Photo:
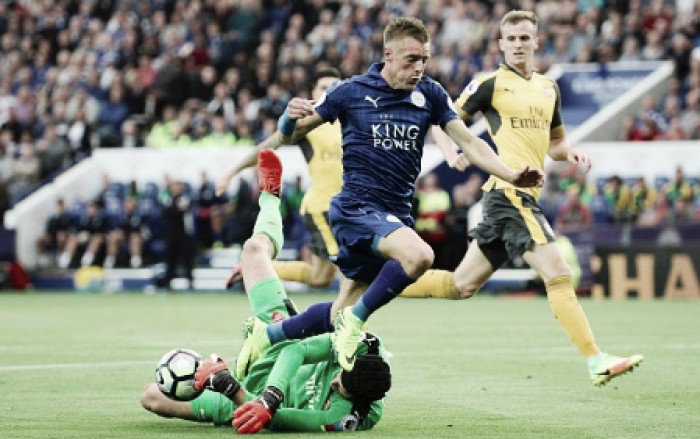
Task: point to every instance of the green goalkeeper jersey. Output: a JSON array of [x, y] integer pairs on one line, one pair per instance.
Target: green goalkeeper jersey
[[303, 370]]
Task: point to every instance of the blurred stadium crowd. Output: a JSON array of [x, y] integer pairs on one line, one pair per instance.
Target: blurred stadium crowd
[[79, 75]]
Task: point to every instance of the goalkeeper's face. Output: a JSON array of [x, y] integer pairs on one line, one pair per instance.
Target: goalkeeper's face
[[337, 385], [405, 62], [518, 43]]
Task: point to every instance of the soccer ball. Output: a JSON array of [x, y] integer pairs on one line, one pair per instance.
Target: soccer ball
[[175, 374]]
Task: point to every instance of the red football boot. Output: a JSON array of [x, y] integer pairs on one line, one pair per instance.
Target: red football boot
[[269, 172]]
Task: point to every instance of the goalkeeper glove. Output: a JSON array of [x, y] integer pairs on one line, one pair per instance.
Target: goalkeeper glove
[[252, 416], [214, 375]]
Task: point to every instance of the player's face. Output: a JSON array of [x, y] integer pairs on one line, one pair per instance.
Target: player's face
[[322, 85], [518, 43], [337, 385], [405, 59]]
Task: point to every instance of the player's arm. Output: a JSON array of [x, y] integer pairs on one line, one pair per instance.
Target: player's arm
[[454, 159], [299, 118], [559, 148], [330, 419], [253, 416], [480, 154]]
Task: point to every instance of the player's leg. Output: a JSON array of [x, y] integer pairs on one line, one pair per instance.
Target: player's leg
[[71, 245], [549, 263], [408, 257], [135, 249], [434, 283], [321, 271], [93, 246], [350, 291], [114, 239]]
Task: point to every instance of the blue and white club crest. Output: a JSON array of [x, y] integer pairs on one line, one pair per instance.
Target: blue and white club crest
[[418, 99]]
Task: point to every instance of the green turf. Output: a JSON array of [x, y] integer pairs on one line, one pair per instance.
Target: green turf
[[482, 368]]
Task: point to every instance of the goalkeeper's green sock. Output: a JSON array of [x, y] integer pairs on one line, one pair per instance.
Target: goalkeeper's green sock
[[269, 221]]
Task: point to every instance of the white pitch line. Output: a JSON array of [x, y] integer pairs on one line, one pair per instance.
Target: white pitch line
[[533, 350], [28, 367]]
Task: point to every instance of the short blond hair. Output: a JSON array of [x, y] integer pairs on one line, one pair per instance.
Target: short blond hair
[[400, 27], [516, 16]]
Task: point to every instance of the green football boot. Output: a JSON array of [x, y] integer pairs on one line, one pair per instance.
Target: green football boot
[[346, 335], [604, 367], [255, 343]]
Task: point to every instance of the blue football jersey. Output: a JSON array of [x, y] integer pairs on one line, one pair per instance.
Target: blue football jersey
[[383, 135]]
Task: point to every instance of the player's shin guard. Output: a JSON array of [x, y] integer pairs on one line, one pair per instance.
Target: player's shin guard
[[298, 271], [434, 283], [562, 299], [269, 220]]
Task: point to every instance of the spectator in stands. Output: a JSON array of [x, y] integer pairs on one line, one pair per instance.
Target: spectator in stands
[[682, 211], [464, 196], [242, 212], [679, 188], [573, 215], [210, 214], [57, 230], [130, 135], [433, 206], [617, 197], [179, 232], [690, 117], [53, 151], [129, 226], [89, 232], [219, 137], [642, 198], [656, 215], [112, 114], [26, 170]]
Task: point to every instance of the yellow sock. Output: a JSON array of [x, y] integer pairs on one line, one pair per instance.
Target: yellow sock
[[567, 310], [434, 283], [299, 271]]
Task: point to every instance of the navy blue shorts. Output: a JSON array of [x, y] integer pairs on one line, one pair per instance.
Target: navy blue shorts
[[357, 227]]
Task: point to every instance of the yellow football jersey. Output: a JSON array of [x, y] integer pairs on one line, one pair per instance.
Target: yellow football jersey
[[522, 115], [324, 152]]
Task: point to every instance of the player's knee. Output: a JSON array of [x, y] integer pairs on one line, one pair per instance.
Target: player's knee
[[557, 271], [419, 260], [256, 245]]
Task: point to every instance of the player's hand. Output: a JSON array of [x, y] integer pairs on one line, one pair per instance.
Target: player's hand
[[206, 371], [214, 375], [298, 108], [529, 177], [458, 162], [251, 417], [577, 157]]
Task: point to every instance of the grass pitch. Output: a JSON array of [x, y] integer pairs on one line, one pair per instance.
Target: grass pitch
[[74, 365]]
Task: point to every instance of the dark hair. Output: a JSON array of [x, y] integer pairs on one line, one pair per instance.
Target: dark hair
[[405, 27], [369, 379], [328, 72]]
